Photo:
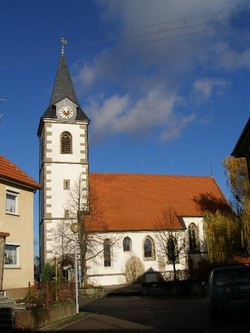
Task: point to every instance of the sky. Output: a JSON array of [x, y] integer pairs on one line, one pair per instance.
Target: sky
[[165, 83]]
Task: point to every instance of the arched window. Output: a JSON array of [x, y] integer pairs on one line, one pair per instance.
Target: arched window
[[148, 248], [193, 238], [107, 252], [126, 244], [66, 143], [172, 249]]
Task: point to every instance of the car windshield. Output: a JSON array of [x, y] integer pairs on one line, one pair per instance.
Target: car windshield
[[232, 276]]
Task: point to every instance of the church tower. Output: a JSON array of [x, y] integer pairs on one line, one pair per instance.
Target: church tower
[[63, 160]]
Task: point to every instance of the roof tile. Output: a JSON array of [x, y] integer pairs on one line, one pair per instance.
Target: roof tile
[[10, 171], [136, 201]]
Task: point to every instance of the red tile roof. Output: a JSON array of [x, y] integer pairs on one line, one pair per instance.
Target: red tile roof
[[135, 201], [11, 172]]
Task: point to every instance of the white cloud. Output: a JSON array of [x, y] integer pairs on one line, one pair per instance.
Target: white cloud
[[132, 13], [118, 114], [206, 87], [176, 126], [146, 87], [233, 60], [86, 75]]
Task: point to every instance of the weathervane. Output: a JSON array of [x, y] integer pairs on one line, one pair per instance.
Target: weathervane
[[64, 42]]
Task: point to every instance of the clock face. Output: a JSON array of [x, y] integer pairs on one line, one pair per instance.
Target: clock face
[[66, 112]]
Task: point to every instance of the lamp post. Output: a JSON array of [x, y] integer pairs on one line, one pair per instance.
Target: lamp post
[[75, 228]]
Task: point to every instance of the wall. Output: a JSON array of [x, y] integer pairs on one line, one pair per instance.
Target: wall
[[40, 317], [20, 228], [59, 167], [115, 274]]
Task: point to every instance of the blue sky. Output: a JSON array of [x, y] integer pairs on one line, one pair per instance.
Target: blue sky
[[165, 83]]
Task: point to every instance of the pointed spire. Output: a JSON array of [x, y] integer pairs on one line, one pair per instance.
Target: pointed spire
[[63, 86]]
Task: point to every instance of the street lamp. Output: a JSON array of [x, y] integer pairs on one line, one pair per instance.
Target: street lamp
[[75, 228]]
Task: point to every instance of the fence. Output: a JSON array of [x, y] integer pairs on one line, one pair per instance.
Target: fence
[[181, 275], [40, 295]]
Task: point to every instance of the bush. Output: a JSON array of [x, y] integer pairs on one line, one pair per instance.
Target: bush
[[50, 290]]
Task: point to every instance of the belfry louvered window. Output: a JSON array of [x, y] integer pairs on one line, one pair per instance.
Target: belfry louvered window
[[66, 143]]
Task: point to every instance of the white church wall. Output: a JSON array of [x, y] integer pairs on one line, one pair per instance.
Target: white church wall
[[78, 140], [115, 274], [61, 172], [198, 222], [57, 179]]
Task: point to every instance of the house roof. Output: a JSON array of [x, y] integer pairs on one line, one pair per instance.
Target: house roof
[[241, 148], [136, 201], [9, 171]]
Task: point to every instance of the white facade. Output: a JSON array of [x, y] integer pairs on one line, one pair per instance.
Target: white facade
[[153, 268], [58, 174]]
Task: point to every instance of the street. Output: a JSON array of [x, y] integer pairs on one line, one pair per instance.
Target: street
[[139, 313]]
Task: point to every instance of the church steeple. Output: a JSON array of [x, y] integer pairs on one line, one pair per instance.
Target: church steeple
[[63, 88], [63, 159]]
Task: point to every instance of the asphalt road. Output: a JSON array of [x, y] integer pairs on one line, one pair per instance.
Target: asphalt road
[[138, 313]]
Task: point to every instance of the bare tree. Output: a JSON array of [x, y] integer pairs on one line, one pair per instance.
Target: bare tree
[[63, 245], [85, 210], [134, 269], [171, 242]]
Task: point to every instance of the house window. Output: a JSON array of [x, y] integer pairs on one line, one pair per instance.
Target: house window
[[66, 143], [148, 248], [11, 202], [66, 184], [193, 238], [107, 252], [126, 244], [11, 255]]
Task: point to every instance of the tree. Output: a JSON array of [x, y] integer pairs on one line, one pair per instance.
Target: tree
[[48, 273], [238, 180], [223, 237], [171, 242], [134, 269], [87, 212], [37, 268]]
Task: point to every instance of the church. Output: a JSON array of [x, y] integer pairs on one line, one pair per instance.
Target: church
[[136, 226]]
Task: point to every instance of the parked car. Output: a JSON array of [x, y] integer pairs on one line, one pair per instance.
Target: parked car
[[228, 290]]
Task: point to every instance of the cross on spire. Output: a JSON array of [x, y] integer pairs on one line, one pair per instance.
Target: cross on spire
[[64, 42]]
